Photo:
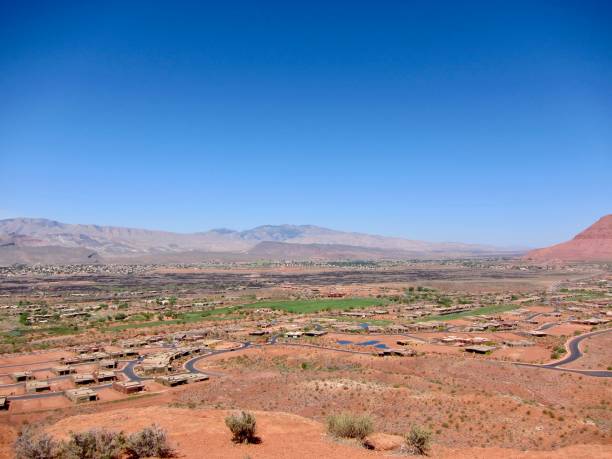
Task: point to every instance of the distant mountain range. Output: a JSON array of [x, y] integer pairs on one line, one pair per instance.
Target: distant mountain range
[[592, 244], [36, 240]]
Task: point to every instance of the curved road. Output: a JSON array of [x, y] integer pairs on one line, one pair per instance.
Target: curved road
[[573, 346], [190, 365]]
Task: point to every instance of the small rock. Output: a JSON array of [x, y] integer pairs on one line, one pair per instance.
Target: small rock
[[383, 442]]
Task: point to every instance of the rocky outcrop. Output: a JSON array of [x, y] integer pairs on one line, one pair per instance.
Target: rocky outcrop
[[592, 244]]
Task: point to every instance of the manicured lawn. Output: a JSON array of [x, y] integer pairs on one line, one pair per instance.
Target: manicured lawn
[[186, 317], [475, 312], [128, 326], [200, 315], [310, 306]]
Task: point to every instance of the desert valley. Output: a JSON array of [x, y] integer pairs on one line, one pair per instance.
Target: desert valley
[[284, 230], [487, 355]]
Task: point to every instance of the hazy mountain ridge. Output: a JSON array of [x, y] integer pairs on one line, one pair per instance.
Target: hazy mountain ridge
[[109, 242]]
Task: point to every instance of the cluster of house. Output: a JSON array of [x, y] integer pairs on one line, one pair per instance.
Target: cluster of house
[[593, 320], [162, 361], [481, 349], [298, 333], [420, 310], [363, 314], [81, 395], [104, 373], [480, 344], [105, 359], [180, 379], [492, 324], [22, 269], [38, 314], [33, 385], [462, 340], [397, 352]]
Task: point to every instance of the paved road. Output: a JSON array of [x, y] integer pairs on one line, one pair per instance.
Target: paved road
[[190, 365], [548, 325], [574, 348], [128, 370], [595, 373], [573, 345], [533, 316]]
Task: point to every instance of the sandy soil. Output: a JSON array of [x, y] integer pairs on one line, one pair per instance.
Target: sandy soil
[[282, 435], [568, 329], [32, 405], [476, 406], [531, 354], [8, 362], [467, 402], [541, 309]]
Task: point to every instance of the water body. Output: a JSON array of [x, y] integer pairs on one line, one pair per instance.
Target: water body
[[368, 343], [373, 342]]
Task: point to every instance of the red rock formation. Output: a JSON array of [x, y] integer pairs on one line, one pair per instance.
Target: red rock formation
[[592, 244]]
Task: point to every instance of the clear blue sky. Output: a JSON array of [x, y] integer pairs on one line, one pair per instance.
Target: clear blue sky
[[466, 121]]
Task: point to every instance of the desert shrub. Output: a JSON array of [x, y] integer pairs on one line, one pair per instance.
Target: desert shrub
[[149, 442], [347, 425], [242, 426], [31, 444], [419, 440], [94, 444]]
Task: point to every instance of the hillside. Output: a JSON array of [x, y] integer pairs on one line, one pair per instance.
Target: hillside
[[592, 244], [27, 240], [283, 435]]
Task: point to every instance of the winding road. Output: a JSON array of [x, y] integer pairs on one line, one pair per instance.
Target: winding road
[[573, 347], [190, 365], [574, 353]]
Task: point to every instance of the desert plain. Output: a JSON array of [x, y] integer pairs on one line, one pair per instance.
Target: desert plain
[[493, 357]]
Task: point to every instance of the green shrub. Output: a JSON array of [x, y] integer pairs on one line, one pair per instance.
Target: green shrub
[[560, 349], [149, 442], [31, 444], [419, 440], [94, 444], [347, 425], [242, 426]]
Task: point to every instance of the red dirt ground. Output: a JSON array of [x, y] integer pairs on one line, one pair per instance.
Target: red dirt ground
[[283, 435]]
